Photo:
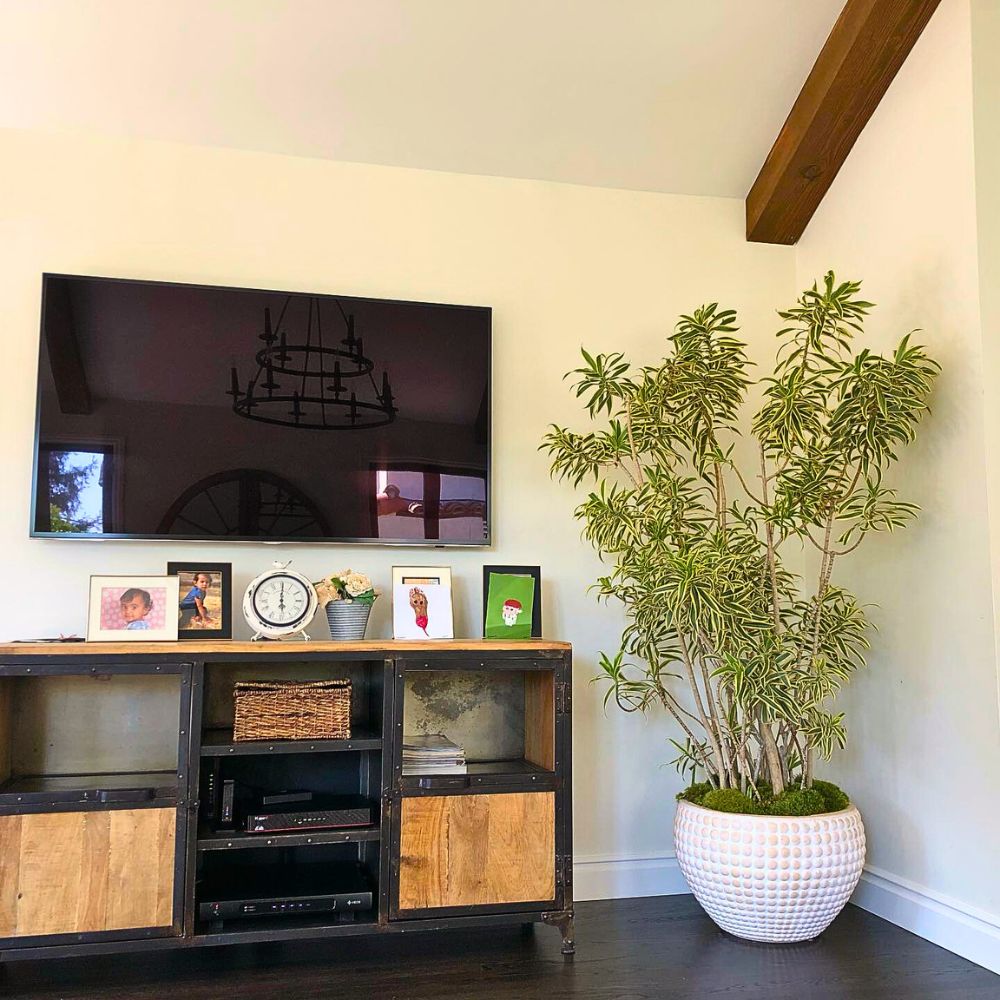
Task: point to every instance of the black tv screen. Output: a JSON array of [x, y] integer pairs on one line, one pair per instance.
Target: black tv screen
[[195, 412]]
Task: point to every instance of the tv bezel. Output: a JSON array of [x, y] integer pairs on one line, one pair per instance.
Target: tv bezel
[[260, 539]]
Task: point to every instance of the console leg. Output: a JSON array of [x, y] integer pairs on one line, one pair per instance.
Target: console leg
[[569, 936], [563, 920]]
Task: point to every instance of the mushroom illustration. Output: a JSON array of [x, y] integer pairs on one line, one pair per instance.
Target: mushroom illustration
[[511, 609]]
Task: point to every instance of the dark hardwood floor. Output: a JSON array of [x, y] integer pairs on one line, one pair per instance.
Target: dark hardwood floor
[[662, 948]]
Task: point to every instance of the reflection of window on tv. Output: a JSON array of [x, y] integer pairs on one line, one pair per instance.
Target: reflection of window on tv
[[74, 488], [428, 502]]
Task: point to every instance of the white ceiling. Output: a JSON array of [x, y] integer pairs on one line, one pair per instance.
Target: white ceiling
[[682, 96]]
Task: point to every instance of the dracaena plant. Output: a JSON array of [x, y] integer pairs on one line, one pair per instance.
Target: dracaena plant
[[741, 649]]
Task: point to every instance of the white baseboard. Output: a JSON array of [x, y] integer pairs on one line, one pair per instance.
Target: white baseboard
[[966, 930], [599, 876]]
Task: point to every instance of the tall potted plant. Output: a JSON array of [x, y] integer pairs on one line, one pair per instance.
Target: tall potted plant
[[722, 549]]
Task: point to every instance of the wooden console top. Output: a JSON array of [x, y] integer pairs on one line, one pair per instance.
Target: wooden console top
[[234, 648]]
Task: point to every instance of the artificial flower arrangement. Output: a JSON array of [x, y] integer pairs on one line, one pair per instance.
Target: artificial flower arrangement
[[355, 588]]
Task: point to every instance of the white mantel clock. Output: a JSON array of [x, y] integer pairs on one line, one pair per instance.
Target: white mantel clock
[[279, 604]]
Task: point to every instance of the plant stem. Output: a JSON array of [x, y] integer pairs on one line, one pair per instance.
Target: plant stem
[[699, 704], [772, 758], [743, 483], [769, 538], [716, 718], [721, 502], [640, 477]]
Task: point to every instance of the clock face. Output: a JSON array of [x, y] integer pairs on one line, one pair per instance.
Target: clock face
[[281, 600]]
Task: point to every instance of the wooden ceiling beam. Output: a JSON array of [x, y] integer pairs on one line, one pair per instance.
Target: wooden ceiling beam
[[866, 47]]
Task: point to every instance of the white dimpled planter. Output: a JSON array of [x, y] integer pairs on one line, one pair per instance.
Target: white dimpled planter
[[770, 878]]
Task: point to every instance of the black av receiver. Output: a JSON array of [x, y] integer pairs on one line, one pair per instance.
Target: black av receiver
[[245, 891]]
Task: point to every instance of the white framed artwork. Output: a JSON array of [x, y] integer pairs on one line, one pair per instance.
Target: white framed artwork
[[422, 611]]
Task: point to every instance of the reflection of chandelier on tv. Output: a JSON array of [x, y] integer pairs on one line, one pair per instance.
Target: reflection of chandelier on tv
[[310, 384]]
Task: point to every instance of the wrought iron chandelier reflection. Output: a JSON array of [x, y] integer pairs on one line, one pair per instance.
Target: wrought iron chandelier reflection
[[311, 384]]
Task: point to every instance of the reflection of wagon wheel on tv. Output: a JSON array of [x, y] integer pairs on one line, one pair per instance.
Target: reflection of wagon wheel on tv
[[244, 502]]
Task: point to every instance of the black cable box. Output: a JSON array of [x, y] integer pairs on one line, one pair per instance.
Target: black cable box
[[243, 891], [321, 813]]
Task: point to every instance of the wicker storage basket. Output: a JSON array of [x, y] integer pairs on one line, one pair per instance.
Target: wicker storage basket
[[292, 710]]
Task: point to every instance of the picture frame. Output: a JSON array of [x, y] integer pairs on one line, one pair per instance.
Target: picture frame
[[422, 611], [133, 608], [416, 575], [217, 602], [535, 572]]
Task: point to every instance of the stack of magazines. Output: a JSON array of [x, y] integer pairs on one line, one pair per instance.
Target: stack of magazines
[[434, 754]]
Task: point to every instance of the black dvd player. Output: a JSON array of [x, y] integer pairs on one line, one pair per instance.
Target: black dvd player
[[243, 891], [319, 813]]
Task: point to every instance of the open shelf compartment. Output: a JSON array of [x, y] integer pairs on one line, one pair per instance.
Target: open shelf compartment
[[218, 710], [503, 718], [91, 738]]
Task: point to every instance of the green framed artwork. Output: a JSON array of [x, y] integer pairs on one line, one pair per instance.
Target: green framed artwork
[[512, 602]]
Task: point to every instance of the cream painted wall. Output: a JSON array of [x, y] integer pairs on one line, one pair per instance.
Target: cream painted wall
[[925, 742], [986, 102], [560, 265]]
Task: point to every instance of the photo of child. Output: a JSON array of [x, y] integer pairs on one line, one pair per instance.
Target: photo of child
[[204, 599], [133, 609], [136, 605], [201, 595]]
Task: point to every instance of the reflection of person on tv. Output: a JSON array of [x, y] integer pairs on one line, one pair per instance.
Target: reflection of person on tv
[[193, 603], [136, 604]]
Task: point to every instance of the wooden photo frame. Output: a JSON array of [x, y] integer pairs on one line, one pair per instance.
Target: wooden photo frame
[[215, 601], [536, 605], [133, 609]]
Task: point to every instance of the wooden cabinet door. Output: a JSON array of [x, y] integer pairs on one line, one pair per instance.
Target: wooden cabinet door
[[476, 850], [80, 872]]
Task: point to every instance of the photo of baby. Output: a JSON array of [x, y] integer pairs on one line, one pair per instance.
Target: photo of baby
[[132, 607], [136, 606]]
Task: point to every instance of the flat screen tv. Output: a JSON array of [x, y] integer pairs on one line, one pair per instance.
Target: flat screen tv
[[170, 411]]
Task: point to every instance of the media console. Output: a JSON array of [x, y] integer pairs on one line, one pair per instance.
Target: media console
[[108, 750]]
